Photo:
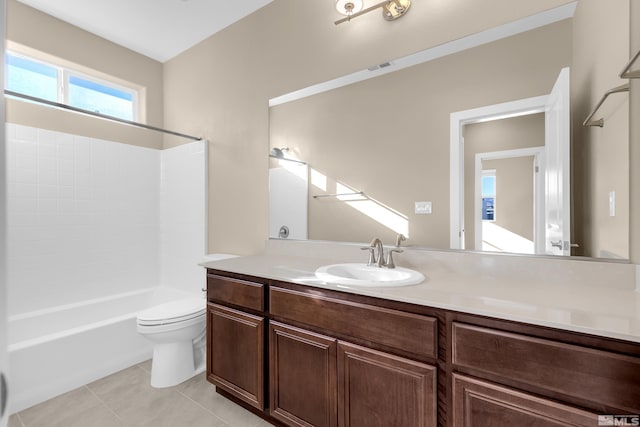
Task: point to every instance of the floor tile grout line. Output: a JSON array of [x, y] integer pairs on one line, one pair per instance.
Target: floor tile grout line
[[87, 387], [202, 406], [103, 403], [226, 422], [121, 419]]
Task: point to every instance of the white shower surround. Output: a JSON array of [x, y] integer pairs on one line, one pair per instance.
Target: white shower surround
[[97, 230]]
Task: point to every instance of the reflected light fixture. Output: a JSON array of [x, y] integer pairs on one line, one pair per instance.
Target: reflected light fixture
[[395, 9], [278, 153], [391, 9], [349, 7]]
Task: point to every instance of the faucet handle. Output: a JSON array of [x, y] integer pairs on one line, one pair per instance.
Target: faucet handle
[[390, 263], [399, 239], [372, 256]]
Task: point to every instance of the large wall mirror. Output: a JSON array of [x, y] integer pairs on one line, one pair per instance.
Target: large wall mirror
[[375, 158]]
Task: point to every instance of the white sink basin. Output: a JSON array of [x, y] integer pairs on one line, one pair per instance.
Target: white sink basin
[[354, 274]]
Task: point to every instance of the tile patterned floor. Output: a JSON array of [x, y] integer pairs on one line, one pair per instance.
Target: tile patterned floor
[[126, 399]]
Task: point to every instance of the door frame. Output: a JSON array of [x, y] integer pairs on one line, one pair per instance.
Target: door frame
[[458, 119], [538, 191], [4, 354]]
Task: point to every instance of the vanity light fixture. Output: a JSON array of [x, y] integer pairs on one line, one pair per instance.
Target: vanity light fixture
[[391, 9]]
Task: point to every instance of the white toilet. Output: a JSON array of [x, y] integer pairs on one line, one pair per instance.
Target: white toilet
[[177, 329]]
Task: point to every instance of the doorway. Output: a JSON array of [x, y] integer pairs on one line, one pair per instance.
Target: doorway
[[557, 212], [508, 201]]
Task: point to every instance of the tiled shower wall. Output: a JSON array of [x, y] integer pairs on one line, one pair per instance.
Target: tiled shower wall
[[82, 218]]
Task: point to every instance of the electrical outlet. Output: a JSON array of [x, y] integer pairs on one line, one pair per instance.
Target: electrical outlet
[[423, 208]]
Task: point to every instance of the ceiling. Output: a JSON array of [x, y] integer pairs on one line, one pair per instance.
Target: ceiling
[[159, 29]]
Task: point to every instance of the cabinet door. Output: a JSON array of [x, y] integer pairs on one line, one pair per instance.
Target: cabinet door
[[377, 389], [235, 353], [302, 371], [481, 404]]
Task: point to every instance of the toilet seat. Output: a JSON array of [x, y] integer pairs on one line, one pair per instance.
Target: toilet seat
[[172, 312]]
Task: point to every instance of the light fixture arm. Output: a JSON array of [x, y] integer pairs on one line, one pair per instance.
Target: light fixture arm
[[383, 4]]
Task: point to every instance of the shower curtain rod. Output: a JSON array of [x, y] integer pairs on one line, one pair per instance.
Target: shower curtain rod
[[102, 116]]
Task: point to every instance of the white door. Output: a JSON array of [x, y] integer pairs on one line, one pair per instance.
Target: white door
[[557, 191], [4, 356]]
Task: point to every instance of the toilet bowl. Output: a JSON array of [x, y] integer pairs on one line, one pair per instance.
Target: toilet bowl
[[176, 329]]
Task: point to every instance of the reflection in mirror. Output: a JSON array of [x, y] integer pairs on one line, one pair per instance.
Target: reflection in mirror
[[502, 170], [551, 207], [288, 189], [378, 150]]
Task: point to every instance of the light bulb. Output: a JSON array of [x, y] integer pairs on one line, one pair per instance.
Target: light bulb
[[349, 7]]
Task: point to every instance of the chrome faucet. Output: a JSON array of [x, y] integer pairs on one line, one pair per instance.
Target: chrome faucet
[[379, 259], [389, 262], [376, 253], [375, 259]]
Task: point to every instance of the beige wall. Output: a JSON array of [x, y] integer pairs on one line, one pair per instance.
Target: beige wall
[[36, 30], [220, 88], [600, 155], [516, 208]]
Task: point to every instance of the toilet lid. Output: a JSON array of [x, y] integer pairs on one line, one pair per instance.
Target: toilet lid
[[173, 311]]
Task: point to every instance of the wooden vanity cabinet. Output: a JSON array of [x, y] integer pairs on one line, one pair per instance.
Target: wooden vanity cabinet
[[235, 357], [480, 403], [506, 373], [381, 389], [236, 327], [302, 377], [323, 379], [304, 356], [317, 380]]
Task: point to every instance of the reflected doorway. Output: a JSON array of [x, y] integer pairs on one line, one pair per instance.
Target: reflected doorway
[[557, 213], [508, 200]]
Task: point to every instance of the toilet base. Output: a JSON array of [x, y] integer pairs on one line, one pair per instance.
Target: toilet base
[[173, 363]]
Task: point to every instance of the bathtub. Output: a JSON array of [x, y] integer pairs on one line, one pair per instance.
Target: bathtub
[[58, 349]]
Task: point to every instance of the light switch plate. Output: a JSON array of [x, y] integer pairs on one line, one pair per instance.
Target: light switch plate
[[423, 208], [612, 203]]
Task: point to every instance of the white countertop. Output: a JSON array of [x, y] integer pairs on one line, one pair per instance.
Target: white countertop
[[607, 310]]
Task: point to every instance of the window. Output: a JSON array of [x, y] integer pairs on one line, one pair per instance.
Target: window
[[489, 195], [31, 78], [101, 98], [35, 78]]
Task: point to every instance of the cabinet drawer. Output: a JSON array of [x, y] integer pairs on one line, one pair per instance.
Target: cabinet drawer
[[407, 332], [237, 292], [597, 376]]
